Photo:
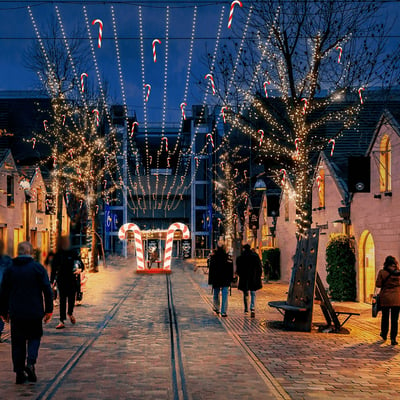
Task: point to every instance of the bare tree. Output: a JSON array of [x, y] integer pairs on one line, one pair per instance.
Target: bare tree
[[303, 65]]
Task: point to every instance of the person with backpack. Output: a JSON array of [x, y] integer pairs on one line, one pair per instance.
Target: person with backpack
[[220, 276], [388, 281], [249, 270]]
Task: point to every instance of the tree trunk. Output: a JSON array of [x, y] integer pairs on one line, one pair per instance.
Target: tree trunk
[[303, 187], [93, 267]]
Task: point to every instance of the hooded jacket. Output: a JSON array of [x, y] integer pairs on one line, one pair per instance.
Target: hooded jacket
[[25, 285]]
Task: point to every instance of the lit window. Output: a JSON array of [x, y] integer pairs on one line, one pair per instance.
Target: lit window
[[385, 165], [287, 216], [321, 188], [10, 191]]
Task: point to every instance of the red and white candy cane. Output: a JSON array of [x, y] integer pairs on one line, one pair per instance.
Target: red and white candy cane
[[197, 161], [96, 111], [236, 173], [83, 75], [222, 204], [360, 95], [182, 180], [265, 88], [154, 48], [133, 127], [45, 125], [305, 104], [33, 143], [165, 139], [340, 53], [54, 161], [261, 137], [333, 141], [151, 160], [64, 118], [100, 22], [296, 143], [138, 242], [223, 109], [283, 172], [222, 164], [209, 76], [245, 174], [97, 209], [319, 178], [168, 162], [170, 240], [148, 86], [105, 184], [219, 221], [209, 136], [235, 2], [183, 105]]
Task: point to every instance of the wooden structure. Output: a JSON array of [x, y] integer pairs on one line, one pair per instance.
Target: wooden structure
[[305, 286]]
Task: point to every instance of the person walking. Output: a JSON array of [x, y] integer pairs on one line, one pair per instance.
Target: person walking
[[388, 281], [66, 266], [249, 270], [220, 276], [25, 285], [5, 262]]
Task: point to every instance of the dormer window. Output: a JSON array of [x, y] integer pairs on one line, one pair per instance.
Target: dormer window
[[385, 165]]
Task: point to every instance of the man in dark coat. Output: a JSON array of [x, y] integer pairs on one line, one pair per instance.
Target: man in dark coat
[[249, 270], [25, 285], [65, 268], [5, 262], [220, 276]]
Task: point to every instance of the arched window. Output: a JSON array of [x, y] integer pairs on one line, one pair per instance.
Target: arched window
[[385, 165], [321, 188]]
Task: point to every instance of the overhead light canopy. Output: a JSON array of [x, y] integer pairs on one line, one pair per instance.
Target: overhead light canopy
[[260, 185]]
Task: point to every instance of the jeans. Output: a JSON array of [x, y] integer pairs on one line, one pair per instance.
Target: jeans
[[224, 307], [394, 317], [1, 326], [252, 300], [66, 294]]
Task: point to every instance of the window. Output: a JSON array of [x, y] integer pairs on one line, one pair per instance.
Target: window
[[40, 200], [321, 188], [385, 165], [10, 191]]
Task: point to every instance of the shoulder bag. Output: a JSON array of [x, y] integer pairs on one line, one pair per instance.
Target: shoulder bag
[[376, 300]]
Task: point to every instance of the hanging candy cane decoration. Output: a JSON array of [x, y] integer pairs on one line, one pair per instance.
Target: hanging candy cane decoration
[[235, 2], [33, 143], [283, 172], [245, 174], [100, 22], [262, 136], [296, 143], [209, 136], [54, 161], [223, 109], [83, 75], [170, 240], [154, 48], [138, 242], [105, 184], [168, 162], [222, 164], [133, 127], [80, 203], [151, 160], [209, 76], [333, 141], [360, 95], [166, 143], [183, 105], [64, 118], [97, 209], [196, 159], [319, 178], [340, 53], [219, 221], [236, 173], [305, 104], [265, 88], [45, 125], [71, 153], [182, 180], [148, 86], [96, 111], [222, 204]]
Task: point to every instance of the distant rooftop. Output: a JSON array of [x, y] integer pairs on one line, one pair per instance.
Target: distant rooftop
[[23, 94]]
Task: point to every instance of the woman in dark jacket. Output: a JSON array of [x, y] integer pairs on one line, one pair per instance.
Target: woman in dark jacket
[[249, 270], [389, 282], [220, 276]]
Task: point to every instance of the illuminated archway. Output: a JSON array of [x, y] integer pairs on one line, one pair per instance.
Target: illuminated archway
[[366, 269], [178, 226], [138, 242]]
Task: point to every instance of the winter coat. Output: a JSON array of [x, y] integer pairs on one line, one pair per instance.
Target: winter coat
[[62, 269], [390, 289], [25, 285], [249, 270], [5, 262], [220, 273]]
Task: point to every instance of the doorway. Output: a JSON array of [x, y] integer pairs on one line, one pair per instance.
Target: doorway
[[367, 271]]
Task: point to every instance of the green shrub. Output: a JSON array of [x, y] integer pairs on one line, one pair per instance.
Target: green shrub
[[341, 261], [273, 256]]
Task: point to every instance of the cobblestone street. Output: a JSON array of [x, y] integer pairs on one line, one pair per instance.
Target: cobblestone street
[[155, 337]]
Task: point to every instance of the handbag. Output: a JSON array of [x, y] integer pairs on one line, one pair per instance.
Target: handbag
[[376, 299]]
